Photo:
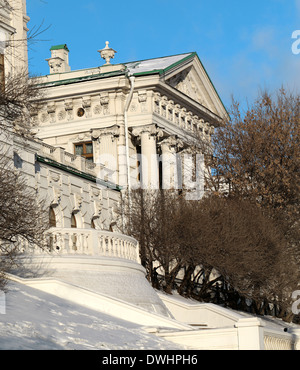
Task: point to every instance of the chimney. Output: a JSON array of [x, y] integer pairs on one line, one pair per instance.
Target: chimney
[[59, 61]]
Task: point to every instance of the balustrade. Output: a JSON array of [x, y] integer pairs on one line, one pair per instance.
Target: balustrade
[[180, 116], [70, 241]]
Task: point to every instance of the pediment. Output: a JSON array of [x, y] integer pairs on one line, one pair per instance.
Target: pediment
[[193, 81]]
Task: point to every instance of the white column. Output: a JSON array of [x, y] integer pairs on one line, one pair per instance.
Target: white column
[[149, 157], [107, 153], [170, 164]]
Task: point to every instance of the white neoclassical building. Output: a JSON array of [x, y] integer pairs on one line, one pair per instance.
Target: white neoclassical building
[[101, 131], [137, 118]]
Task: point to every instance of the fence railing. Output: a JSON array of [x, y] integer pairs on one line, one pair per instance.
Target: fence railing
[[73, 241]]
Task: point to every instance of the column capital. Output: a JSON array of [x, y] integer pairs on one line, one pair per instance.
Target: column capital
[[113, 131], [171, 143], [151, 130]]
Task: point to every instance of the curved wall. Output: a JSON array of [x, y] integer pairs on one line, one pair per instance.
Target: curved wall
[[116, 277]]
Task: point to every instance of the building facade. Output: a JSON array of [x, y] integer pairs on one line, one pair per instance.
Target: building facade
[[102, 131], [137, 118], [13, 36]]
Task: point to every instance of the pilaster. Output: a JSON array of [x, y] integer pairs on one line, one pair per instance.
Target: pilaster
[[106, 152]]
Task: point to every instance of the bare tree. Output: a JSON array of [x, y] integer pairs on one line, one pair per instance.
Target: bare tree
[[150, 218], [217, 242], [257, 154], [23, 218], [19, 97], [245, 246]]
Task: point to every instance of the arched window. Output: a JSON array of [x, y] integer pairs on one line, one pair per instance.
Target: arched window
[[52, 218], [73, 221], [74, 236]]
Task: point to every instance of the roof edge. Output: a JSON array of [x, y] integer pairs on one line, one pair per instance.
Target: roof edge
[[59, 47]]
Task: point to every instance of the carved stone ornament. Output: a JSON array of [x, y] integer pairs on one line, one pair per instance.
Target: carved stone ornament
[[97, 209], [77, 202], [152, 130], [114, 131], [104, 99], [69, 108], [96, 193], [61, 115], [55, 64], [68, 104], [56, 196], [86, 102], [142, 96], [44, 117], [51, 108], [107, 53], [54, 176], [95, 133], [172, 143]]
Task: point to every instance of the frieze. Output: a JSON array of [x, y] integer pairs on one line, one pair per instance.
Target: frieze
[[73, 109], [104, 101]]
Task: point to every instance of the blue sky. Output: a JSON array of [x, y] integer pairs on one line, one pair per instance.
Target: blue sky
[[244, 45]]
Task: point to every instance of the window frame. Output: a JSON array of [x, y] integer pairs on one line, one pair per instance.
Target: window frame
[[85, 154]]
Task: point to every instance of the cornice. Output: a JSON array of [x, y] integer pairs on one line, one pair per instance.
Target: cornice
[[11, 30]]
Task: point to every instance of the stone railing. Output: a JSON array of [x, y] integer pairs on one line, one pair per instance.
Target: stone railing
[[273, 340], [71, 160], [179, 116], [72, 241]]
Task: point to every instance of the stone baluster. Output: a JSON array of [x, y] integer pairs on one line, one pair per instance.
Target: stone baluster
[[58, 244], [112, 246], [157, 99], [70, 244], [87, 238], [64, 243]]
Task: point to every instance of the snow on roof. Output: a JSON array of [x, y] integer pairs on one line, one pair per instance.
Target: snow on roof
[[156, 64], [35, 320]]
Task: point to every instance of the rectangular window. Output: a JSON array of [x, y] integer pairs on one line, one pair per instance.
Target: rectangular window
[[85, 150]]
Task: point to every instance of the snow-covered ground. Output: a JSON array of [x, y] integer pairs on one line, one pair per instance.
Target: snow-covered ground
[[35, 320]]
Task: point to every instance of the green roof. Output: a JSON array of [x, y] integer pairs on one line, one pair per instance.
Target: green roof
[[59, 47], [78, 173], [157, 65]]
